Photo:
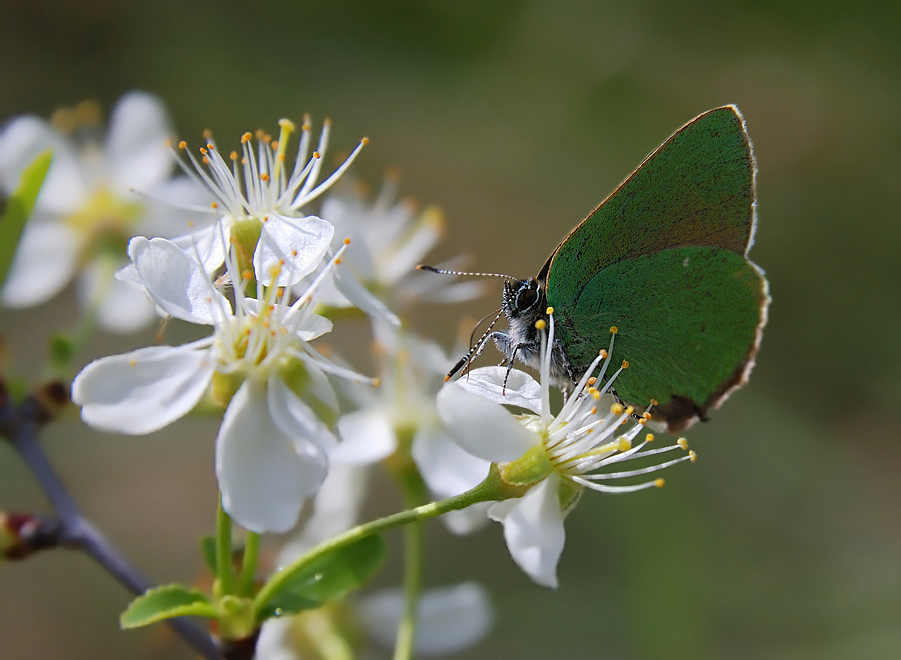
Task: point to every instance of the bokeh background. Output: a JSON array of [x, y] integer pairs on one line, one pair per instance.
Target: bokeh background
[[517, 117]]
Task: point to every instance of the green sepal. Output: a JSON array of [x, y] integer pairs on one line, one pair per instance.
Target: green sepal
[[529, 469], [208, 550], [18, 209], [327, 578], [166, 602]]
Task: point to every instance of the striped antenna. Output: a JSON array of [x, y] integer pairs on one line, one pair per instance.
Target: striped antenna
[[441, 271], [475, 350]]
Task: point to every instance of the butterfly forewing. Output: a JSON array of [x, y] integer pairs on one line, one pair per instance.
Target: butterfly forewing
[[663, 259]]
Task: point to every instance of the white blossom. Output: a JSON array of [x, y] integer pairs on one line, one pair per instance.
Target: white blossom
[[272, 447], [88, 208], [555, 456]]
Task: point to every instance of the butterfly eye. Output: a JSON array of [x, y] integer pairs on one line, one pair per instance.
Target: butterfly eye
[[526, 298]]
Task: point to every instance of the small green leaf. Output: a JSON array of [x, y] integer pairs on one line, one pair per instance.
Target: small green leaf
[[18, 209], [208, 549], [328, 578], [166, 602]]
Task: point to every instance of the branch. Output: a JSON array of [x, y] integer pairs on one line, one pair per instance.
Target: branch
[[20, 425]]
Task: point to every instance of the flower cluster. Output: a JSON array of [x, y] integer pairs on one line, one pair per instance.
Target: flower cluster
[[240, 252]]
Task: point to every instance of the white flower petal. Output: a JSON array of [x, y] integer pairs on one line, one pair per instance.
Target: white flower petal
[[263, 478], [468, 520], [533, 528], [142, 391], [483, 428], [488, 382], [296, 419], [335, 510], [64, 189], [366, 437], [124, 306], [43, 265], [449, 620], [276, 641], [175, 207], [293, 247], [361, 298], [136, 149], [176, 282], [446, 468], [206, 246], [424, 235]]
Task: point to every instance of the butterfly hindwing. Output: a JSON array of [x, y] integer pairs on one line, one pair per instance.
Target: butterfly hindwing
[[663, 259]]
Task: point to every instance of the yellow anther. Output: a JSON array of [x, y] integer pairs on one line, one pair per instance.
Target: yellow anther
[[211, 146], [376, 381], [207, 134], [214, 205], [659, 483], [649, 437], [347, 241], [594, 410], [603, 353], [642, 421], [614, 329], [364, 141], [182, 145], [316, 155], [281, 158], [596, 395], [646, 415], [233, 155], [274, 145], [624, 444], [617, 408], [625, 364], [630, 410], [327, 122], [206, 160], [654, 402], [682, 442], [167, 142], [305, 127], [63, 119], [549, 310], [540, 324], [337, 260], [132, 362], [264, 177], [247, 274], [88, 113], [592, 380], [247, 137], [692, 456], [203, 151]]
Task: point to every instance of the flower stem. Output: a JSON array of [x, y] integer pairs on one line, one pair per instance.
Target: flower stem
[[490, 489], [249, 567], [414, 494], [225, 571]]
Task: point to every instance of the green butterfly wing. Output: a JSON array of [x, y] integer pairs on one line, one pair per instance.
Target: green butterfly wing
[[664, 259]]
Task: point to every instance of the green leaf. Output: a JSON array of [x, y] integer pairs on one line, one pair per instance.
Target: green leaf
[[166, 602], [327, 578], [18, 209], [208, 549]]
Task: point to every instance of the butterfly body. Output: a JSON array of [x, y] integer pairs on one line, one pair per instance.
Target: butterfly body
[[663, 258]]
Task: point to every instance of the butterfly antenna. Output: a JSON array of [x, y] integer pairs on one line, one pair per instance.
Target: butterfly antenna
[[474, 351], [442, 271]]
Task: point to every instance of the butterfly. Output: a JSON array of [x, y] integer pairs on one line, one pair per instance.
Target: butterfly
[[663, 260]]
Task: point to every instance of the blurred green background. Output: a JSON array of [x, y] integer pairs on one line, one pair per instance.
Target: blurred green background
[[517, 118]]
